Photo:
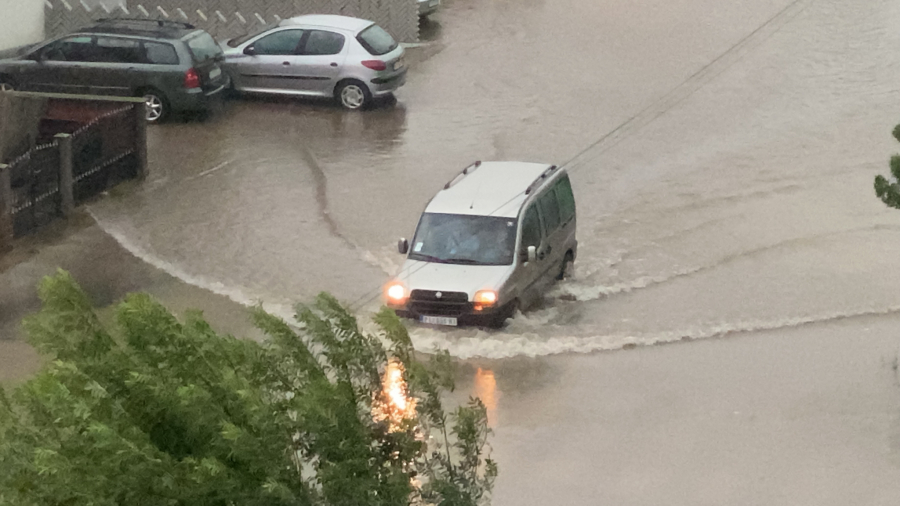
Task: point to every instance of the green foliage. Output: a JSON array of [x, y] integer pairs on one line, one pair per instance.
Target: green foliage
[[889, 192], [155, 411]]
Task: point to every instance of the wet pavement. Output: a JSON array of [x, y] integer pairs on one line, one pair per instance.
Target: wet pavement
[[722, 158]]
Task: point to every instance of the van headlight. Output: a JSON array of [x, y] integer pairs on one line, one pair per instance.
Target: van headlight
[[485, 298], [396, 293]]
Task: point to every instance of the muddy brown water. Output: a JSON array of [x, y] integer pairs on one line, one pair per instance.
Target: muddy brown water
[[730, 190], [722, 156]]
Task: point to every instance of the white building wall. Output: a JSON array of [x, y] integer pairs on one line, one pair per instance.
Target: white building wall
[[21, 22]]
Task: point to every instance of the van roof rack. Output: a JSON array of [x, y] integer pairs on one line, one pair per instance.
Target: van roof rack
[[140, 21], [464, 173], [539, 180]]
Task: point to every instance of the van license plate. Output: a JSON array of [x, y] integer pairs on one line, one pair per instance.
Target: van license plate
[[438, 320]]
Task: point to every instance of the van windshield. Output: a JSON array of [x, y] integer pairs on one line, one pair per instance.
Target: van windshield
[[464, 239]]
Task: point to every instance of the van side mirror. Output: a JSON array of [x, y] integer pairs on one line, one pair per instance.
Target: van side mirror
[[532, 254], [403, 246], [250, 51]]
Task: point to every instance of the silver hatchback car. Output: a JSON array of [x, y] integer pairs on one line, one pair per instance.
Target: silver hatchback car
[[350, 59]]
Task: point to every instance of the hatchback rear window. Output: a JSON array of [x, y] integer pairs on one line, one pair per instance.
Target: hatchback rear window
[[204, 47], [376, 40]]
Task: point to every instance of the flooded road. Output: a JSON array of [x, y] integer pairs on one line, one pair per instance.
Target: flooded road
[[722, 158]]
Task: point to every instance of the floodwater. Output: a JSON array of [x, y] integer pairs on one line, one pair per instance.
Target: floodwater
[[722, 155], [730, 190]]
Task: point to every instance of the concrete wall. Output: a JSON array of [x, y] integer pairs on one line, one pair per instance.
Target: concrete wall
[[21, 22], [20, 118]]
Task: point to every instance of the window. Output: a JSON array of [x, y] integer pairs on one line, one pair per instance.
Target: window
[[566, 199], [376, 40], [116, 50], [550, 210], [321, 42], [203, 47], [464, 239], [160, 54], [237, 41], [531, 229], [284, 42], [72, 49]]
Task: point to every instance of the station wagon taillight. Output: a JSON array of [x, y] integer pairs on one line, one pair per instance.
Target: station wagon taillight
[[191, 79], [374, 64]]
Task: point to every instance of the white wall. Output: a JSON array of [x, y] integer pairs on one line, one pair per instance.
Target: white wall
[[21, 22]]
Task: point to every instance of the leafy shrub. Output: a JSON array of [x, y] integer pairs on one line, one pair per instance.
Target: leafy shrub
[[150, 410]]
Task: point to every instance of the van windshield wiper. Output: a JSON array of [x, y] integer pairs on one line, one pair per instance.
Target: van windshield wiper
[[466, 261], [430, 258]]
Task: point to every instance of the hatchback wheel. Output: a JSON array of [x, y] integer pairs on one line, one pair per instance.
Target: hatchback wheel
[[157, 106], [353, 95]]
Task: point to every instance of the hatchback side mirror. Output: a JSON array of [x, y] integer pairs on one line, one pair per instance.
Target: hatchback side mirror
[[403, 246], [250, 51], [532, 254]]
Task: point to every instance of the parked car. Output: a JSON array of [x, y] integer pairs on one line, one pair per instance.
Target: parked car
[[492, 241], [350, 59], [174, 66], [427, 7]]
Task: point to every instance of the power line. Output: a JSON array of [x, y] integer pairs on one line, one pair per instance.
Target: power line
[[653, 111]]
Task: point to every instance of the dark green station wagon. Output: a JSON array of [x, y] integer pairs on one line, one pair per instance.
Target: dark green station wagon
[[174, 66]]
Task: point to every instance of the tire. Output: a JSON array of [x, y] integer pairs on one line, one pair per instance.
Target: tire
[[567, 267], [498, 320], [7, 84], [157, 105], [353, 95]]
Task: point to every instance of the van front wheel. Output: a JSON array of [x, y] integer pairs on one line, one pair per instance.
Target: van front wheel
[[496, 321], [567, 269]]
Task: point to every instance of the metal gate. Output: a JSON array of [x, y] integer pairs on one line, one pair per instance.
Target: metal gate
[[35, 188]]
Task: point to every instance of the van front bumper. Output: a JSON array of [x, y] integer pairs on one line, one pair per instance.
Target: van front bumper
[[465, 312]]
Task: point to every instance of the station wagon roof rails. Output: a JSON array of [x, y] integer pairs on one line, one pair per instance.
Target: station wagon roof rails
[[464, 173], [540, 179], [144, 22]]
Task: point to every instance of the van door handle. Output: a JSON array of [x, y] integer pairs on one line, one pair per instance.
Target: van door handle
[[334, 64], [287, 63]]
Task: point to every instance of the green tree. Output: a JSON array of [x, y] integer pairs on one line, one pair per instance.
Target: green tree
[[150, 410], [888, 192]]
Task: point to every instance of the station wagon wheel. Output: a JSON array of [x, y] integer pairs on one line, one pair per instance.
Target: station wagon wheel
[[157, 106], [353, 94]]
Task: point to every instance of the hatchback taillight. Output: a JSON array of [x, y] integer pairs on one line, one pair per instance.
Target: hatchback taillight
[[191, 79], [374, 64]]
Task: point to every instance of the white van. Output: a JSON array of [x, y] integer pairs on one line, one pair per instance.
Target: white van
[[490, 242]]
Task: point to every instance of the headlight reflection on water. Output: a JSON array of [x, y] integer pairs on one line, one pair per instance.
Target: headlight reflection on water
[[396, 405], [486, 390]]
